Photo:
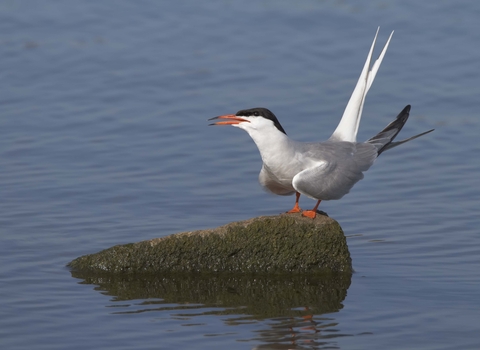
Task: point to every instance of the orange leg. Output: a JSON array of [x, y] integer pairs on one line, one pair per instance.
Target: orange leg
[[312, 213], [296, 207]]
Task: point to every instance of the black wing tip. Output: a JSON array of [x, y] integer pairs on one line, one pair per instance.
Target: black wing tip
[[405, 110]]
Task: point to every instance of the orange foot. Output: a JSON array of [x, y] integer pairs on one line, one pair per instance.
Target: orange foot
[[310, 214], [295, 209]]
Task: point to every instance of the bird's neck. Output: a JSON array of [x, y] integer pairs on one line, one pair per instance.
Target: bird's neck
[[274, 146]]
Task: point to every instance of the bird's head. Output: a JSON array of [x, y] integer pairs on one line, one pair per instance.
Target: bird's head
[[251, 120]]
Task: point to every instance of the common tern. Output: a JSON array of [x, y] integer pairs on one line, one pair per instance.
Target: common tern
[[319, 170]]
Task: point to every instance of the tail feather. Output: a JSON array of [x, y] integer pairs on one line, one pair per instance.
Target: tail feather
[[395, 144], [384, 139]]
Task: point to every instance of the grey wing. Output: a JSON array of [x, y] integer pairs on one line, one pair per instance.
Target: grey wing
[[334, 178], [323, 182]]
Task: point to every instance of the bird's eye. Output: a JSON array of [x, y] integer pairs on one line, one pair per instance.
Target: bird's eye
[[256, 114]]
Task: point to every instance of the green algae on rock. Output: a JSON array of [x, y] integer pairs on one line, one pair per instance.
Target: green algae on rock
[[268, 244]]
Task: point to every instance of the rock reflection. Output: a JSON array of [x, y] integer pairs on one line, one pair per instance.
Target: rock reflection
[[291, 307]]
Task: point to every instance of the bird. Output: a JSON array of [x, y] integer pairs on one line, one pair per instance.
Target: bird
[[324, 170]]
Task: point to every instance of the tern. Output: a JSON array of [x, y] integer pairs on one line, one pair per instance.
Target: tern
[[320, 170]]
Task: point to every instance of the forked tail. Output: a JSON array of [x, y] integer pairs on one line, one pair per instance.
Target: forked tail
[[348, 127], [384, 139]]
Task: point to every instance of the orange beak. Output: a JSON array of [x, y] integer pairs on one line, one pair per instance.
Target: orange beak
[[232, 119]]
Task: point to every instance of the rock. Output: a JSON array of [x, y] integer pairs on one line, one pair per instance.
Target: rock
[[268, 244]]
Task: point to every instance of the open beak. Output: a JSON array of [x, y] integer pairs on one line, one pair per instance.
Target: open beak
[[231, 119]]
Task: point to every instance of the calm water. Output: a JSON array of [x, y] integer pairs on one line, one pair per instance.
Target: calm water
[[104, 140]]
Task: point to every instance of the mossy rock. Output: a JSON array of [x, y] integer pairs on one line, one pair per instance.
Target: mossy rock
[[269, 244]]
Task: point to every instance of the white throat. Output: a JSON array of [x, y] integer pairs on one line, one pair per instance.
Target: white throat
[[275, 147]]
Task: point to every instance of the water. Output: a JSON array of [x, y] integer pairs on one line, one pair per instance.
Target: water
[[103, 109]]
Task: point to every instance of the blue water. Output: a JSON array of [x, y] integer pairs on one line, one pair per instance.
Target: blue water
[[104, 141]]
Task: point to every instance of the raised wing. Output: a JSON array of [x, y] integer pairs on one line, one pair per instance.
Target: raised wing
[[348, 127]]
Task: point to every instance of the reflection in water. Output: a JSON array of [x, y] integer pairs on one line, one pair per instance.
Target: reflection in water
[[291, 307]]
